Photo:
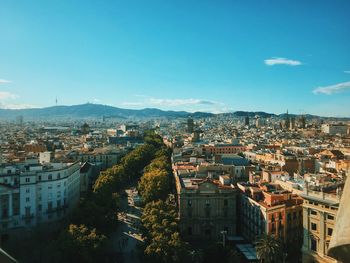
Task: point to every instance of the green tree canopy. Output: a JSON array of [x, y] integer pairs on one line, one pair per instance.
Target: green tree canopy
[[269, 249], [81, 244], [154, 185], [161, 231]]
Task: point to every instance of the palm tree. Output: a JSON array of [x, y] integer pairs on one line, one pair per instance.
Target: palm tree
[[269, 249]]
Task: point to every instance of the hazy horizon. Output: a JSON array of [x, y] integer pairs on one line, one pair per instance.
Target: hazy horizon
[[178, 110]]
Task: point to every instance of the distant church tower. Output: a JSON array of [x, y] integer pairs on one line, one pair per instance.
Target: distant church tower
[[287, 121], [190, 125]]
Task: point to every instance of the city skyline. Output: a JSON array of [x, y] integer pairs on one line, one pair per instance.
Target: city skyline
[[178, 56]]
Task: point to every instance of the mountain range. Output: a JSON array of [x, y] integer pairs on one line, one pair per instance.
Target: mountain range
[[90, 110]]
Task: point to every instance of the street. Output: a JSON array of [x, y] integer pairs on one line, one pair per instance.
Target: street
[[127, 236]]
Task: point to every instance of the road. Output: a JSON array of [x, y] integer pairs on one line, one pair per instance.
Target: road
[[127, 236]]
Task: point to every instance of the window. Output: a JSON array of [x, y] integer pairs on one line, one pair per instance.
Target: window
[[58, 176], [27, 199], [330, 217], [4, 213], [27, 190], [313, 244], [329, 231], [313, 212], [313, 226], [207, 212], [39, 207], [225, 202], [49, 177], [189, 213], [58, 203], [27, 211], [273, 228], [189, 202], [225, 213], [49, 206], [189, 231], [39, 178], [27, 180], [50, 186]]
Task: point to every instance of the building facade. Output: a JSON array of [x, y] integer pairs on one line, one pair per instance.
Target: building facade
[[319, 216], [270, 210], [333, 129], [34, 194], [223, 149], [207, 207]]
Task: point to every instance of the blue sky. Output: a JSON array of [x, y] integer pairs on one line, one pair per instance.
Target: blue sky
[[182, 55]]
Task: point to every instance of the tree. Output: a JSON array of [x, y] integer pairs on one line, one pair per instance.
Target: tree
[[154, 185], [81, 244], [269, 249], [161, 162], [136, 160], [167, 248], [153, 139], [163, 242]]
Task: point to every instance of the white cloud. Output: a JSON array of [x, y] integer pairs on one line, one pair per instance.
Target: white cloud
[[179, 102], [347, 71], [4, 81], [7, 95], [337, 88], [190, 104], [157, 102], [282, 61], [16, 106], [132, 103]]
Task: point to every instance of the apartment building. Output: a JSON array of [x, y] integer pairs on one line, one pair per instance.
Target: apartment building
[[319, 217], [33, 193], [223, 149], [269, 209]]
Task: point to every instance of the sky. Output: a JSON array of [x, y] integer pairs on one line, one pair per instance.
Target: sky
[[214, 56]]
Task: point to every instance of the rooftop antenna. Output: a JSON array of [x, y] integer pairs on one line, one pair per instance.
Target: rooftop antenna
[[56, 100]]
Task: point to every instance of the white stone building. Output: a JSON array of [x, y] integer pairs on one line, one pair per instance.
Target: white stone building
[[31, 194]]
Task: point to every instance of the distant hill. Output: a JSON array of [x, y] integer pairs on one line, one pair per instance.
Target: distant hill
[[253, 114], [90, 110], [263, 114]]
